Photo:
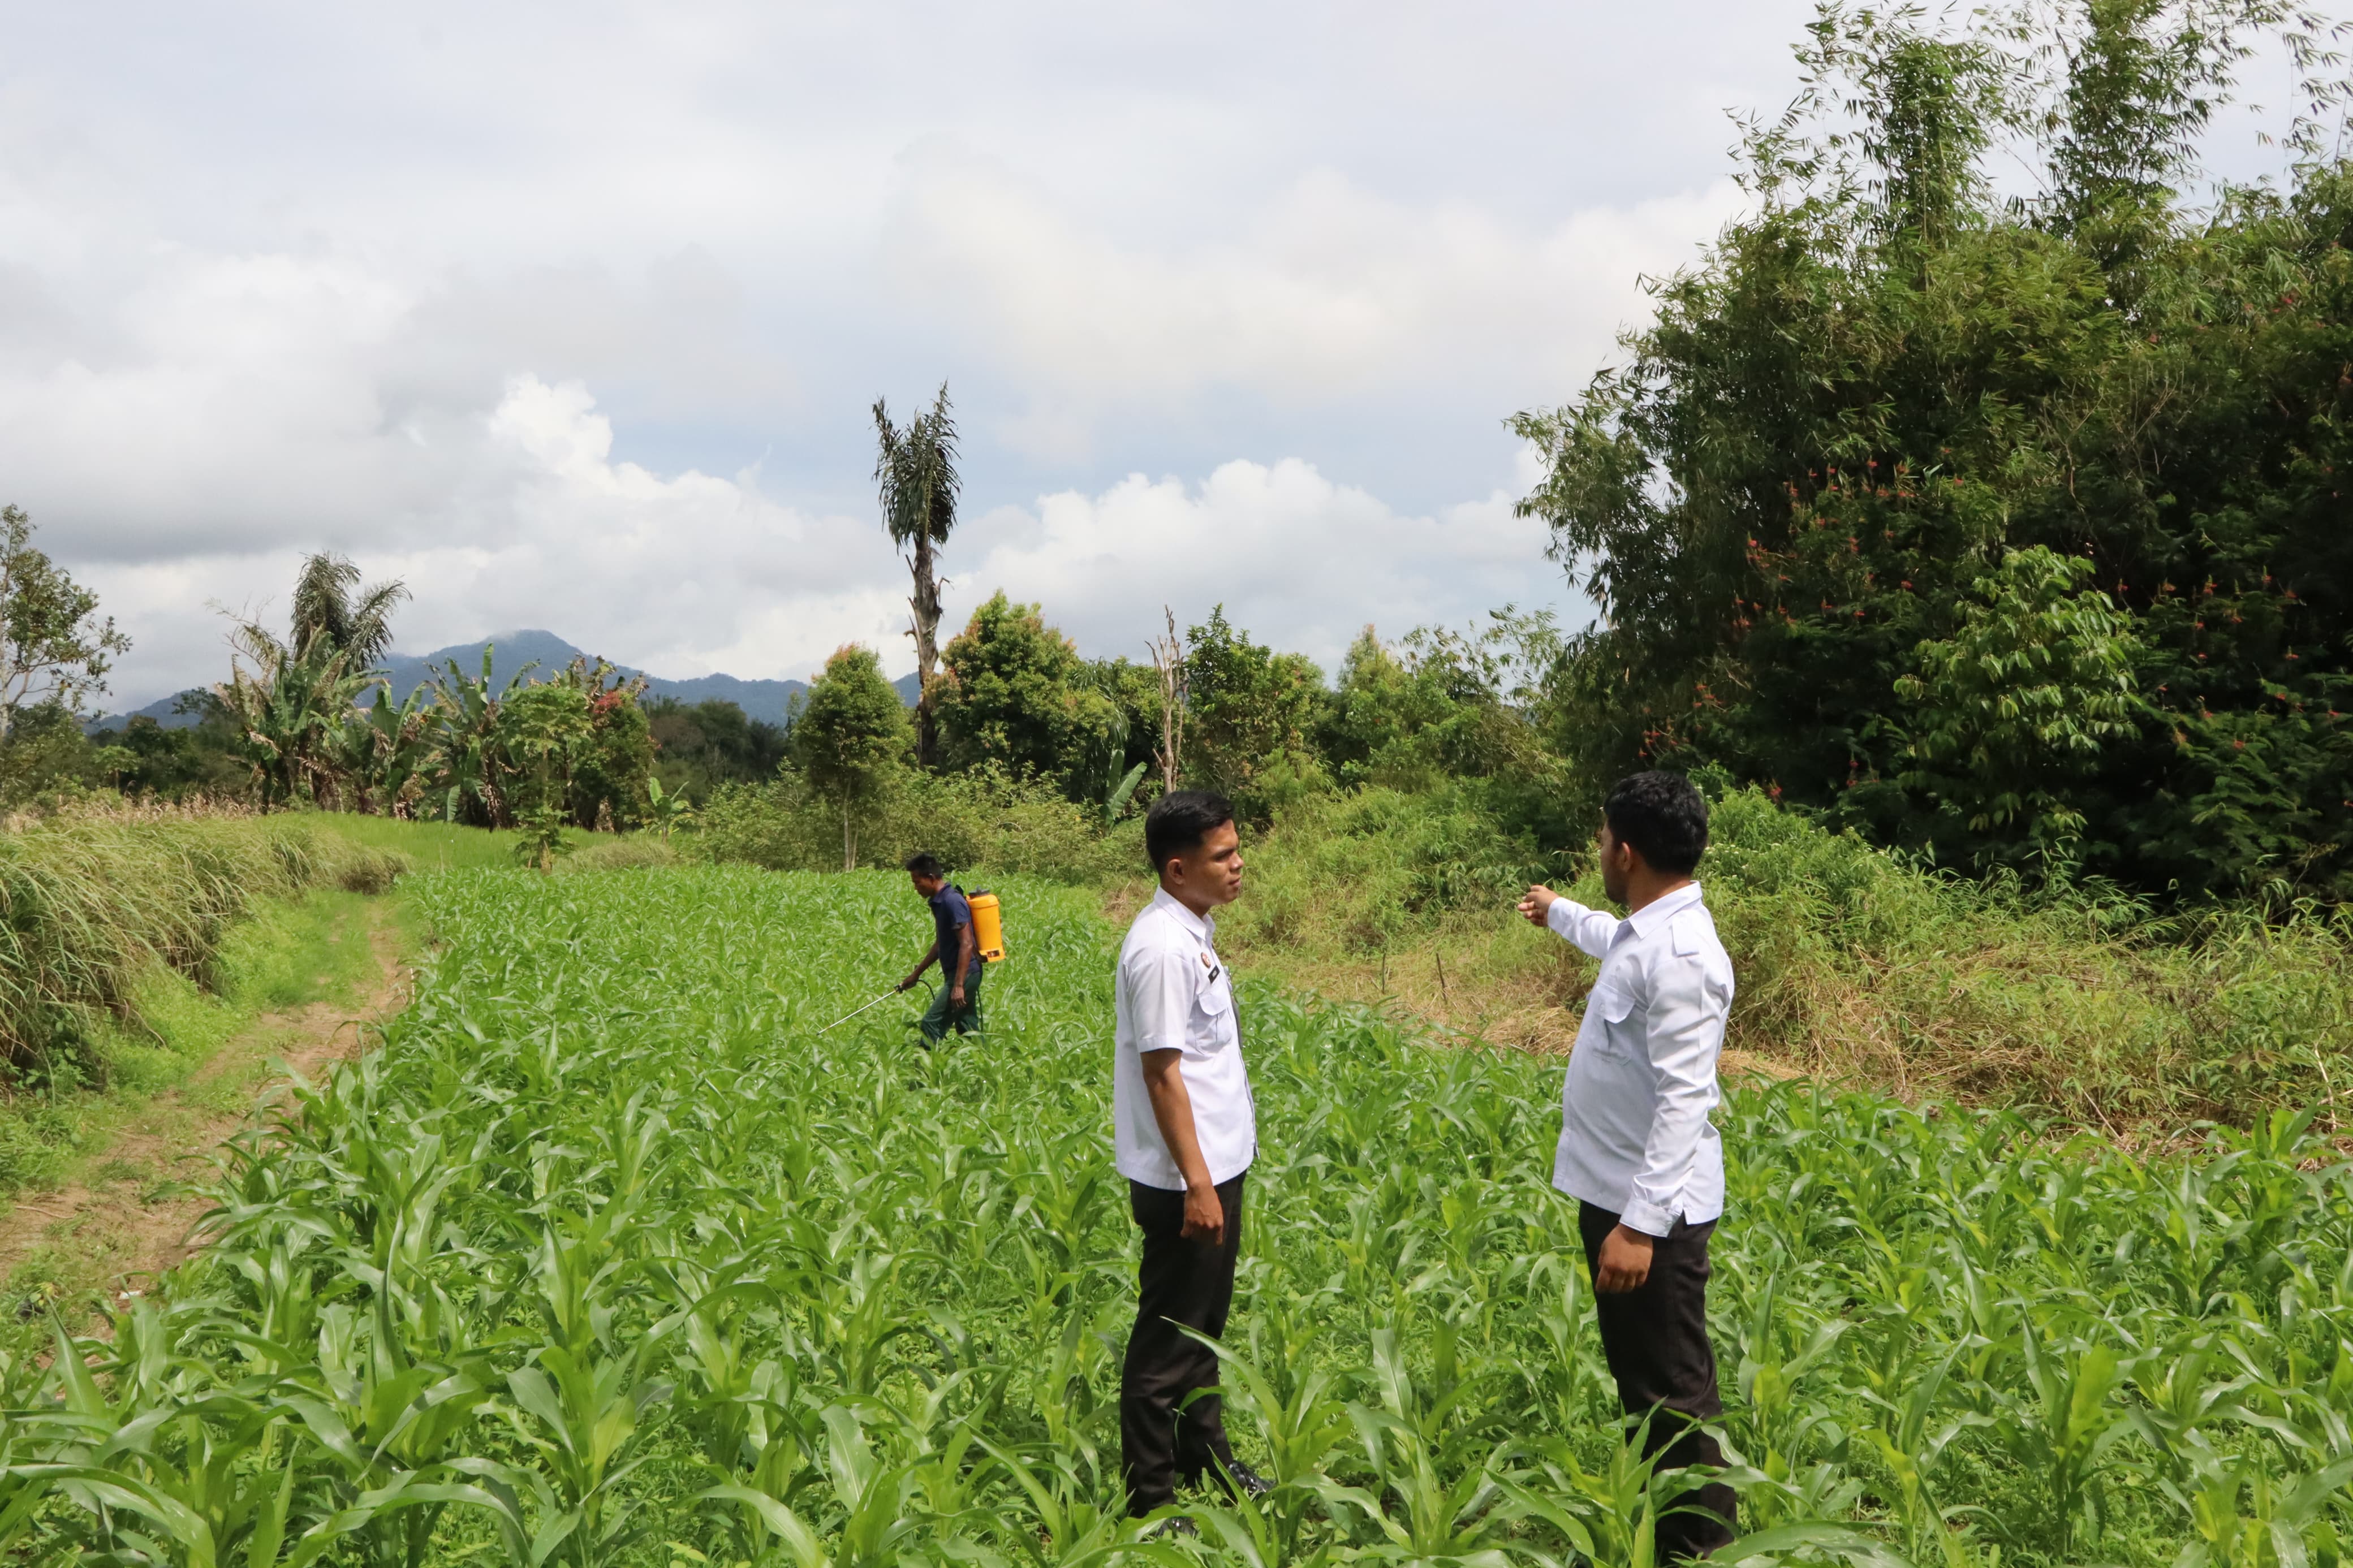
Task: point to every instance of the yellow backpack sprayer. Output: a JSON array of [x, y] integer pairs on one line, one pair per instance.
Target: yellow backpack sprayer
[[987, 927]]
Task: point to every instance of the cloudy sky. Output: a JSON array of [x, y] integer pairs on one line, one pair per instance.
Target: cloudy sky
[[571, 316]]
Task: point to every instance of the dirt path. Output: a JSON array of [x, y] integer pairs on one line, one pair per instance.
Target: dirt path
[[119, 1220]]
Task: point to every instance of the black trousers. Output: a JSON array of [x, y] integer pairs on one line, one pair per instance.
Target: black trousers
[[1180, 1281], [1655, 1338]]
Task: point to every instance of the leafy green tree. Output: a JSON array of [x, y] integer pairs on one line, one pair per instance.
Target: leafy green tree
[[1792, 499], [1015, 692], [915, 474], [699, 746], [1249, 712], [850, 738], [613, 756], [47, 759], [54, 651], [542, 729], [207, 760], [2010, 711]]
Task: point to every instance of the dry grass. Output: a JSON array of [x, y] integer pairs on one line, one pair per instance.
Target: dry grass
[[1854, 968]]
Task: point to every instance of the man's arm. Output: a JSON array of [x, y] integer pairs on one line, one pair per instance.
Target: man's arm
[[1172, 1108], [1590, 930], [916, 974], [964, 963]]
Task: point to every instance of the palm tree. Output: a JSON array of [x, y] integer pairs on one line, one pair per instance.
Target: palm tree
[[915, 474], [328, 604], [293, 698]]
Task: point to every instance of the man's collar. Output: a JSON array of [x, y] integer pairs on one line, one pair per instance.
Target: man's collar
[[1199, 925], [1662, 909]]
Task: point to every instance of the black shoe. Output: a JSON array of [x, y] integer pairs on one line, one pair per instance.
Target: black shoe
[[1178, 1527], [1239, 1480]]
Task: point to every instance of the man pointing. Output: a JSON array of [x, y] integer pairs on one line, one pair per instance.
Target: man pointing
[[1636, 1147]]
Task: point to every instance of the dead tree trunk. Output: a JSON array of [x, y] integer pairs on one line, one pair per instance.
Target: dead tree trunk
[[1168, 659]]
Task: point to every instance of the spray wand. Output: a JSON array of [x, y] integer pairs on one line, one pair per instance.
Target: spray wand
[[847, 1017]]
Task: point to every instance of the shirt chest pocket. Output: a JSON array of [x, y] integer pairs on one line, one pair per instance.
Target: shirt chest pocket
[[1617, 1006], [1212, 1021]]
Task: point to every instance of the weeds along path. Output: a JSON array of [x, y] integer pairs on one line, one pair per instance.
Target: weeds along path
[[126, 1215], [611, 1257]]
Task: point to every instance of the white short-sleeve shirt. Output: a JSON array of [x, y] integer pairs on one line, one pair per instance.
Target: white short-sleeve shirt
[[1175, 994], [1635, 1138]]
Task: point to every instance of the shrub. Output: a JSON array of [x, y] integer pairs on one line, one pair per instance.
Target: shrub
[[1371, 866], [983, 819]]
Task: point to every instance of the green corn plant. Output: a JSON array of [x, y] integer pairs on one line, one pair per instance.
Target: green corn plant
[[2243, 1518], [1607, 1515], [873, 1498], [2060, 1427], [1066, 1527], [603, 1251], [1911, 1440], [1772, 1364]]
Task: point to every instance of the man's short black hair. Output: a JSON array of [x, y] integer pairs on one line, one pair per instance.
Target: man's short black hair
[[1663, 815], [1180, 820], [925, 865]]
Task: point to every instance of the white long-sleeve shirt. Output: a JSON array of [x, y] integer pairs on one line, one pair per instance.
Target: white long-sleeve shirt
[[1635, 1137], [1174, 994]]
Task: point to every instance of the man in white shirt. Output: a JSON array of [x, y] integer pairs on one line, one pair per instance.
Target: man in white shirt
[[1637, 1149], [1184, 1131]]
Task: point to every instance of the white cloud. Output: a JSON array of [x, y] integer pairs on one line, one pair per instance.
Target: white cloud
[[1332, 293], [682, 575], [696, 571], [576, 325], [1295, 558]]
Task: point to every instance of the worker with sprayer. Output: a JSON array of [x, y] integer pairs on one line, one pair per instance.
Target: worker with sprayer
[[967, 935]]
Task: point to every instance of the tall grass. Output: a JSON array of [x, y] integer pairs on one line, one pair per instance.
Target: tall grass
[[88, 903], [1853, 964]]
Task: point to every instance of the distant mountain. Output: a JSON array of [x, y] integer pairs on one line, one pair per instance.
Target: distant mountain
[[511, 651], [159, 711]]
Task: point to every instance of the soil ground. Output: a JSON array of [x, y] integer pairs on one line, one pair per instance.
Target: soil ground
[[124, 1215]]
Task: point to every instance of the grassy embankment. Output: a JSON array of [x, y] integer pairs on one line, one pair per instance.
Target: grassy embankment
[[134, 946]]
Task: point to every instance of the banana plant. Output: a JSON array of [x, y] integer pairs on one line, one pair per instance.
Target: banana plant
[[467, 738], [1119, 788], [667, 810], [386, 749]]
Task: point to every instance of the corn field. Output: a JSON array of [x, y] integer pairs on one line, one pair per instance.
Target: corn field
[[608, 1257]]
